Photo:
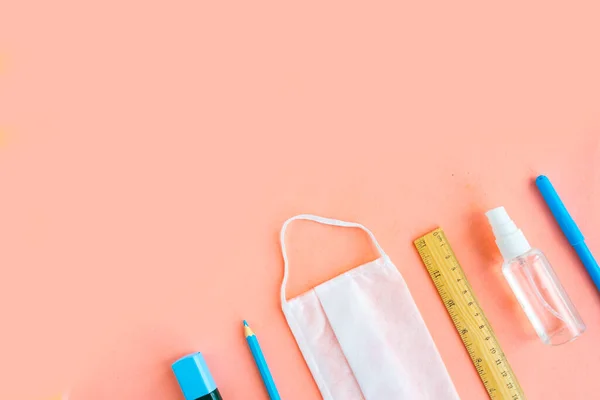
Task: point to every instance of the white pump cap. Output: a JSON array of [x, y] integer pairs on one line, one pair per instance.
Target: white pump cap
[[510, 240]]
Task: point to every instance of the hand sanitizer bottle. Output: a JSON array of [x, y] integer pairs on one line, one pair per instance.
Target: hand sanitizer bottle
[[532, 279]]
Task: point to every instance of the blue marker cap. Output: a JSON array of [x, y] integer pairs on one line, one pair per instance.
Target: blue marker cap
[[558, 209], [193, 376]]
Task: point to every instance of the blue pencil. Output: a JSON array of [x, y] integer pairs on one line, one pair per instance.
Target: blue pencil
[[261, 363]]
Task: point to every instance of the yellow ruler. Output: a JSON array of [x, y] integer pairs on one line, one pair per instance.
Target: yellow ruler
[[468, 317]]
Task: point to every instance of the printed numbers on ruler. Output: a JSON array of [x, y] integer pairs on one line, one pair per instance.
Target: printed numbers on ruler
[[468, 317]]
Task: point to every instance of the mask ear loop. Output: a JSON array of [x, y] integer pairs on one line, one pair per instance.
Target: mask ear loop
[[321, 220]]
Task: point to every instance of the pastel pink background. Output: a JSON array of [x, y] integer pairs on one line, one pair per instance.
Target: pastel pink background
[[150, 151]]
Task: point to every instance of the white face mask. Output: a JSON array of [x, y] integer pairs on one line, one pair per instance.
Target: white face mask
[[361, 333]]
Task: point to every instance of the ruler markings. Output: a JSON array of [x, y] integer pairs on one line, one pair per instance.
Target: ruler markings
[[471, 323]]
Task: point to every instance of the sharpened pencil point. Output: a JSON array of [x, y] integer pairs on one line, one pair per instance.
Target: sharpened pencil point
[[245, 323]]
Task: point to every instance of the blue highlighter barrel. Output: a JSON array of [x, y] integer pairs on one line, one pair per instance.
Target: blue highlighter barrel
[[195, 379]]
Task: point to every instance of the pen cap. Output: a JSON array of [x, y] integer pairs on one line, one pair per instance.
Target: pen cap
[[558, 209], [193, 376], [510, 240]]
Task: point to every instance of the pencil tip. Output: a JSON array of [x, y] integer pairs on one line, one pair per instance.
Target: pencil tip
[[245, 323]]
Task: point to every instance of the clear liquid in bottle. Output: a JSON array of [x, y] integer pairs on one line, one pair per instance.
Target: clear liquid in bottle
[[543, 298], [534, 283]]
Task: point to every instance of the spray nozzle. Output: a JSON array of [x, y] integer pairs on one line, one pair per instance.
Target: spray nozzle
[[510, 239]]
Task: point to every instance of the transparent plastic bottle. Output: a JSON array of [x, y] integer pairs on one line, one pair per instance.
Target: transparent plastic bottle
[[535, 284]]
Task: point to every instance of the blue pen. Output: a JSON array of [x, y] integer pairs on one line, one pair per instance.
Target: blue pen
[[569, 228], [261, 363]]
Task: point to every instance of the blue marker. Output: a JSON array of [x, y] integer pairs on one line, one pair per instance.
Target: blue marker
[[195, 379], [569, 228], [261, 363]]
